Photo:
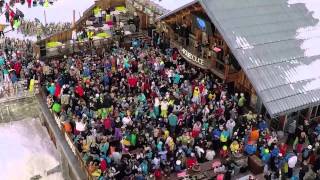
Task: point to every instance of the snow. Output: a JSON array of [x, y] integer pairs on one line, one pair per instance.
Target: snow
[[26, 150], [18, 35], [308, 37], [172, 5]]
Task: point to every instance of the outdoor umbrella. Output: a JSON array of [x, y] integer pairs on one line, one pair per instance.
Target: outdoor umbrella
[[103, 35], [53, 44]]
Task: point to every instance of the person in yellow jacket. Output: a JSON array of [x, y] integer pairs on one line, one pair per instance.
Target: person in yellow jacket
[[46, 3], [90, 34], [164, 109], [170, 143], [196, 95], [166, 134], [234, 147], [96, 173], [31, 85]]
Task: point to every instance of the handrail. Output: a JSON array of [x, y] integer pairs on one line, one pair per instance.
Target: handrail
[[72, 158]]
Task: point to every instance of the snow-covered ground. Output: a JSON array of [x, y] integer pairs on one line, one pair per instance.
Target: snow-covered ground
[[59, 11], [26, 150]]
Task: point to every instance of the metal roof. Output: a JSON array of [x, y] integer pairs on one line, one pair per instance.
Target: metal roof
[[277, 44], [178, 8]]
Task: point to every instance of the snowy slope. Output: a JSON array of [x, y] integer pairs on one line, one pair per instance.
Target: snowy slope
[[26, 150]]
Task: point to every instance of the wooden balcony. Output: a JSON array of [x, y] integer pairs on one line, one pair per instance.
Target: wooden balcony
[[202, 60]]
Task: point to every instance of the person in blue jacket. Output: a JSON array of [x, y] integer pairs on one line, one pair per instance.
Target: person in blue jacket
[[216, 133], [275, 151], [250, 149]]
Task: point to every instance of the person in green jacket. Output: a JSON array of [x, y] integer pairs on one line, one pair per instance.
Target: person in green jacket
[[6, 75], [133, 139], [142, 98], [242, 100], [173, 121], [241, 103]]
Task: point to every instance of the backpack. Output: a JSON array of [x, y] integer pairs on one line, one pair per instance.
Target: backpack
[[305, 153]]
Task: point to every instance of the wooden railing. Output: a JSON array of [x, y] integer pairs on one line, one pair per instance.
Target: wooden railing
[[65, 135], [207, 63], [72, 146]]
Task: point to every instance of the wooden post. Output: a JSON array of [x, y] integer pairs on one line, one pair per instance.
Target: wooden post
[[45, 17], [74, 18], [284, 123], [226, 71]]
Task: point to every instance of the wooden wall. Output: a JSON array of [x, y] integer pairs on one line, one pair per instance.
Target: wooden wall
[[243, 83]]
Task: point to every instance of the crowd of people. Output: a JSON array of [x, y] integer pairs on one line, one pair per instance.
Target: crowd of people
[[145, 111], [35, 28], [140, 112], [15, 17], [16, 63]]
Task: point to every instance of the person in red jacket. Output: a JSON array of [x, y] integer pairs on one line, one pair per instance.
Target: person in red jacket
[[57, 90], [283, 148], [107, 123], [158, 174], [132, 82], [79, 90], [29, 3], [191, 161], [103, 165], [17, 67]]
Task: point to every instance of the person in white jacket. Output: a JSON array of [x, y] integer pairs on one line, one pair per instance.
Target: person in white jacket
[[230, 125]]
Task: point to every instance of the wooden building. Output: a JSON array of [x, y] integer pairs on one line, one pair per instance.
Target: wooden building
[[190, 30], [260, 47]]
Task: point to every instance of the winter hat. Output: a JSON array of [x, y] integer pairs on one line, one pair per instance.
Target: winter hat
[[224, 148], [178, 162]]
